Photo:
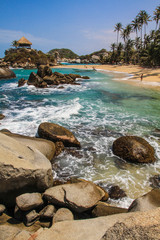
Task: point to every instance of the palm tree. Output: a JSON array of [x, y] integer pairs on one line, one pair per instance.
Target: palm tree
[[118, 28], [135, 26], [15, 44], [143, 19], [113, 47], [157, 16], [128, 31]]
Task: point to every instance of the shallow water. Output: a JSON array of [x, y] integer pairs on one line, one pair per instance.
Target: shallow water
[[98, 111]]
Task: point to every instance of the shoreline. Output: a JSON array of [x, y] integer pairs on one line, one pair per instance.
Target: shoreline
[[126, 74]]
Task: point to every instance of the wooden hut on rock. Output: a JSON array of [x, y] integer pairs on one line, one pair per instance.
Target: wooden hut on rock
[[24, 42]]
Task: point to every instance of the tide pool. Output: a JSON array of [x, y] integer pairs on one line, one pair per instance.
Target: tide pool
[[97, 111]]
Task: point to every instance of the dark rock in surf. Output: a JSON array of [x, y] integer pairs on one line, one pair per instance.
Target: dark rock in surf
[[21, 82], [115, 192], [44, 70], [37, 81], [134, 149], [1, 116], [57, 133], [155, 181]]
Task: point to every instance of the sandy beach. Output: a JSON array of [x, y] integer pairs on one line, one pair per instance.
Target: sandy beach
[[151, 77]]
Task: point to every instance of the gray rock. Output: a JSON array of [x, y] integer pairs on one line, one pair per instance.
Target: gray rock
[[77, 196], [149, 201], [29, 201], [6, 73], [21, 167], [57, 133], [47, 212], [104, 209], [134, 149], [2, 209], [30, 218], [63, 214]]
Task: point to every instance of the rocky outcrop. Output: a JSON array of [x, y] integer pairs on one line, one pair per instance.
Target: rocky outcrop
[[134, 149], [47, 148], [44, 70], [21, 167], [150, 200], [57, 133], [77, 196], [37, 81], [6, 73]]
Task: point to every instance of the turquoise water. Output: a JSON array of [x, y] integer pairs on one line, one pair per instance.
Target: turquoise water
[[98, 111]]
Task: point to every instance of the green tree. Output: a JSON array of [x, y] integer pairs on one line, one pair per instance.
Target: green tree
[[118, 28], [14, 44], [156, 16]]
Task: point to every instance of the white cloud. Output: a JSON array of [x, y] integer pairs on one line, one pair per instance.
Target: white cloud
[[102, 37], [7, 36]]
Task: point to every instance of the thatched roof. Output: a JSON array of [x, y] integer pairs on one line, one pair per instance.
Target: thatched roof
[[24, 40]]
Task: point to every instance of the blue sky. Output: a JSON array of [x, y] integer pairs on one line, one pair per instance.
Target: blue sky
[[83, 26]]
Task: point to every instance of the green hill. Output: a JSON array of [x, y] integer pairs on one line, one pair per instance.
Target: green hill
[[63, 53]]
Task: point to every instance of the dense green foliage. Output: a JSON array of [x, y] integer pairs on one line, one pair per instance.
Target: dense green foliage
[[24, 55], [145, 48], [63, 53]]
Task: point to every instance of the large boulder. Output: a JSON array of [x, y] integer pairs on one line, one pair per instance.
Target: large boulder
[[47, 148], [63, 214], [134, 149], [6, 73], [44, 70], [22, 169], [36, 80], [57, 133], [149, 201], [99, 228], [79, 197]]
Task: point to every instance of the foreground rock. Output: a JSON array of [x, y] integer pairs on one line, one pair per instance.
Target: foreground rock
[[6, 73], [21, 167], [77, 196], [21, 82], [47, 148], [37, 81], [150, 200], [56, 133], [99, 228], [134, 149], [29, 201], [63, 214], [104, 209]]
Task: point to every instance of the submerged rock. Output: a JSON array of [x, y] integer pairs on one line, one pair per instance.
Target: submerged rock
[[149, 201], [77, 196], [134, 149], [155, 181], [57, 133], [115, 192]]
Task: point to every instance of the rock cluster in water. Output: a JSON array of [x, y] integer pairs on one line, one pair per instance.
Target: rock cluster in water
[[45, 77], [30, 195]]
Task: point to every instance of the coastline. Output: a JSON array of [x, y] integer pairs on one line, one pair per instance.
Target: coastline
[[128, 74]]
